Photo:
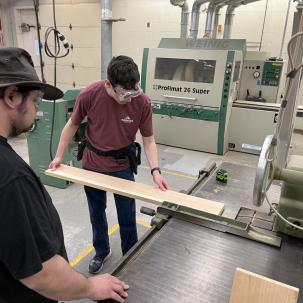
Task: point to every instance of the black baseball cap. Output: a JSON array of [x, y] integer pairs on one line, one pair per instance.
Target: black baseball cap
[[17, 68]]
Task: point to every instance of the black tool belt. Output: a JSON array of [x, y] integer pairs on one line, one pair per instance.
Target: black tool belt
[[132, 152]]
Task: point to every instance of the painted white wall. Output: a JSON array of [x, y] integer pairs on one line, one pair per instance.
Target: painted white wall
[[164, 21], [7, 22], [131, 36]]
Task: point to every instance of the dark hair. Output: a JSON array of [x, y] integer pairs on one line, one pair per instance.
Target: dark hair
[[2, 89], [22, 89], [123, 71]]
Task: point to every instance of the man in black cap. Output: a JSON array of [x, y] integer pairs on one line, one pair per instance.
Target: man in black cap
[[33, 261]]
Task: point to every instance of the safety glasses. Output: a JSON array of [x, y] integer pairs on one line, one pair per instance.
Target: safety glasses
[[37, 97], [35, 94], [126, 95]]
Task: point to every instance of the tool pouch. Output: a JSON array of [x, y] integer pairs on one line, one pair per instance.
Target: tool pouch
[[132, 152], [134, 156], [81, 147]]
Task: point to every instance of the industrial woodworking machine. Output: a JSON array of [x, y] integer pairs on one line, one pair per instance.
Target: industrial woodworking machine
[[191, 256], [213, 93], [192, 85], [255, 112]]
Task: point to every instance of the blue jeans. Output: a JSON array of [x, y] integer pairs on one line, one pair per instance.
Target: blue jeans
[[126, 210]]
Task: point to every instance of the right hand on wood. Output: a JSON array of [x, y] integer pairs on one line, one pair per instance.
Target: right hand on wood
[[55, 163], [105, 286]]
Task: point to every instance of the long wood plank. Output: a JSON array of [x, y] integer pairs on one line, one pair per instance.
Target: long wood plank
[[135, 190], [249, 287]]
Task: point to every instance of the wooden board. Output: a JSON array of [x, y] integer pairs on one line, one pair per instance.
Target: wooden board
[[135, 190], [249, 287]]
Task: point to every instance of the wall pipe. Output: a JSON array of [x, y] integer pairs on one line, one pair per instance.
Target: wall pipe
[[230, 16], [195, 15], [209, 18], [184, 20], [216, 20], [106, 36], [212, 13], [184, 16], [217, 15]]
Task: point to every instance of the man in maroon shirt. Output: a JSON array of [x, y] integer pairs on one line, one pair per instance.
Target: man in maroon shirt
[[115, 109]]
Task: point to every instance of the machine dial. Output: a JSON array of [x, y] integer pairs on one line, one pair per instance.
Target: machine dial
[[256, 74]]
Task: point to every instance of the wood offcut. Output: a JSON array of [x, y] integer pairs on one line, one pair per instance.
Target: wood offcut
[[249, 287]]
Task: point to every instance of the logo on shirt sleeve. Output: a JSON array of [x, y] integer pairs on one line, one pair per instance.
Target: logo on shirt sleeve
[[127, 119]]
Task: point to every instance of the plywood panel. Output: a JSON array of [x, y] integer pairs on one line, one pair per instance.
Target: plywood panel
[[249, 287], [135, 190]]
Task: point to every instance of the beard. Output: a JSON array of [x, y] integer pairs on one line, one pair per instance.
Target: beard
[[17, 127], [16, 131]]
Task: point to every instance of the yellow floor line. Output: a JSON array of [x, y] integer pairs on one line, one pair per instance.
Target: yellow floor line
[[89, 249], [143, 223], [168, 172], [86, 252]]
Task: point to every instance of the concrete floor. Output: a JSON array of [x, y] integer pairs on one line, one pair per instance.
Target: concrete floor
[[180, 168]]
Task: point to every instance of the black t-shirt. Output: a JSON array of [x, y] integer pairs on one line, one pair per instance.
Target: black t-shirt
[[30, 228]]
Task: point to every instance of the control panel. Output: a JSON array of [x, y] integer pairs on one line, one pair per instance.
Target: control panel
[[271, 73], [261, 80]]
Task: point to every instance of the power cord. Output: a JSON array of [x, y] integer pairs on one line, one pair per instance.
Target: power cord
[[58, 39], [281, 217]]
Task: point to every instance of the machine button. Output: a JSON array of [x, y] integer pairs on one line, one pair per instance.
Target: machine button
[[256, 74]]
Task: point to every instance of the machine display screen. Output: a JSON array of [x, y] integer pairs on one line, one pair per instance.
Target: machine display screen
[[190, 70]]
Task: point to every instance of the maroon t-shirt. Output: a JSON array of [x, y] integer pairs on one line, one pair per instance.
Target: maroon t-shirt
[[110, 125]]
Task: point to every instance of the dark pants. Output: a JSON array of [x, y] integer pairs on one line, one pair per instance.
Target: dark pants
[[126, 210]]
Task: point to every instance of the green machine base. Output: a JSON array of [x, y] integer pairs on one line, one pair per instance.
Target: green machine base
[[291, 199], [290, 206], [44, 137], [216, 222]]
